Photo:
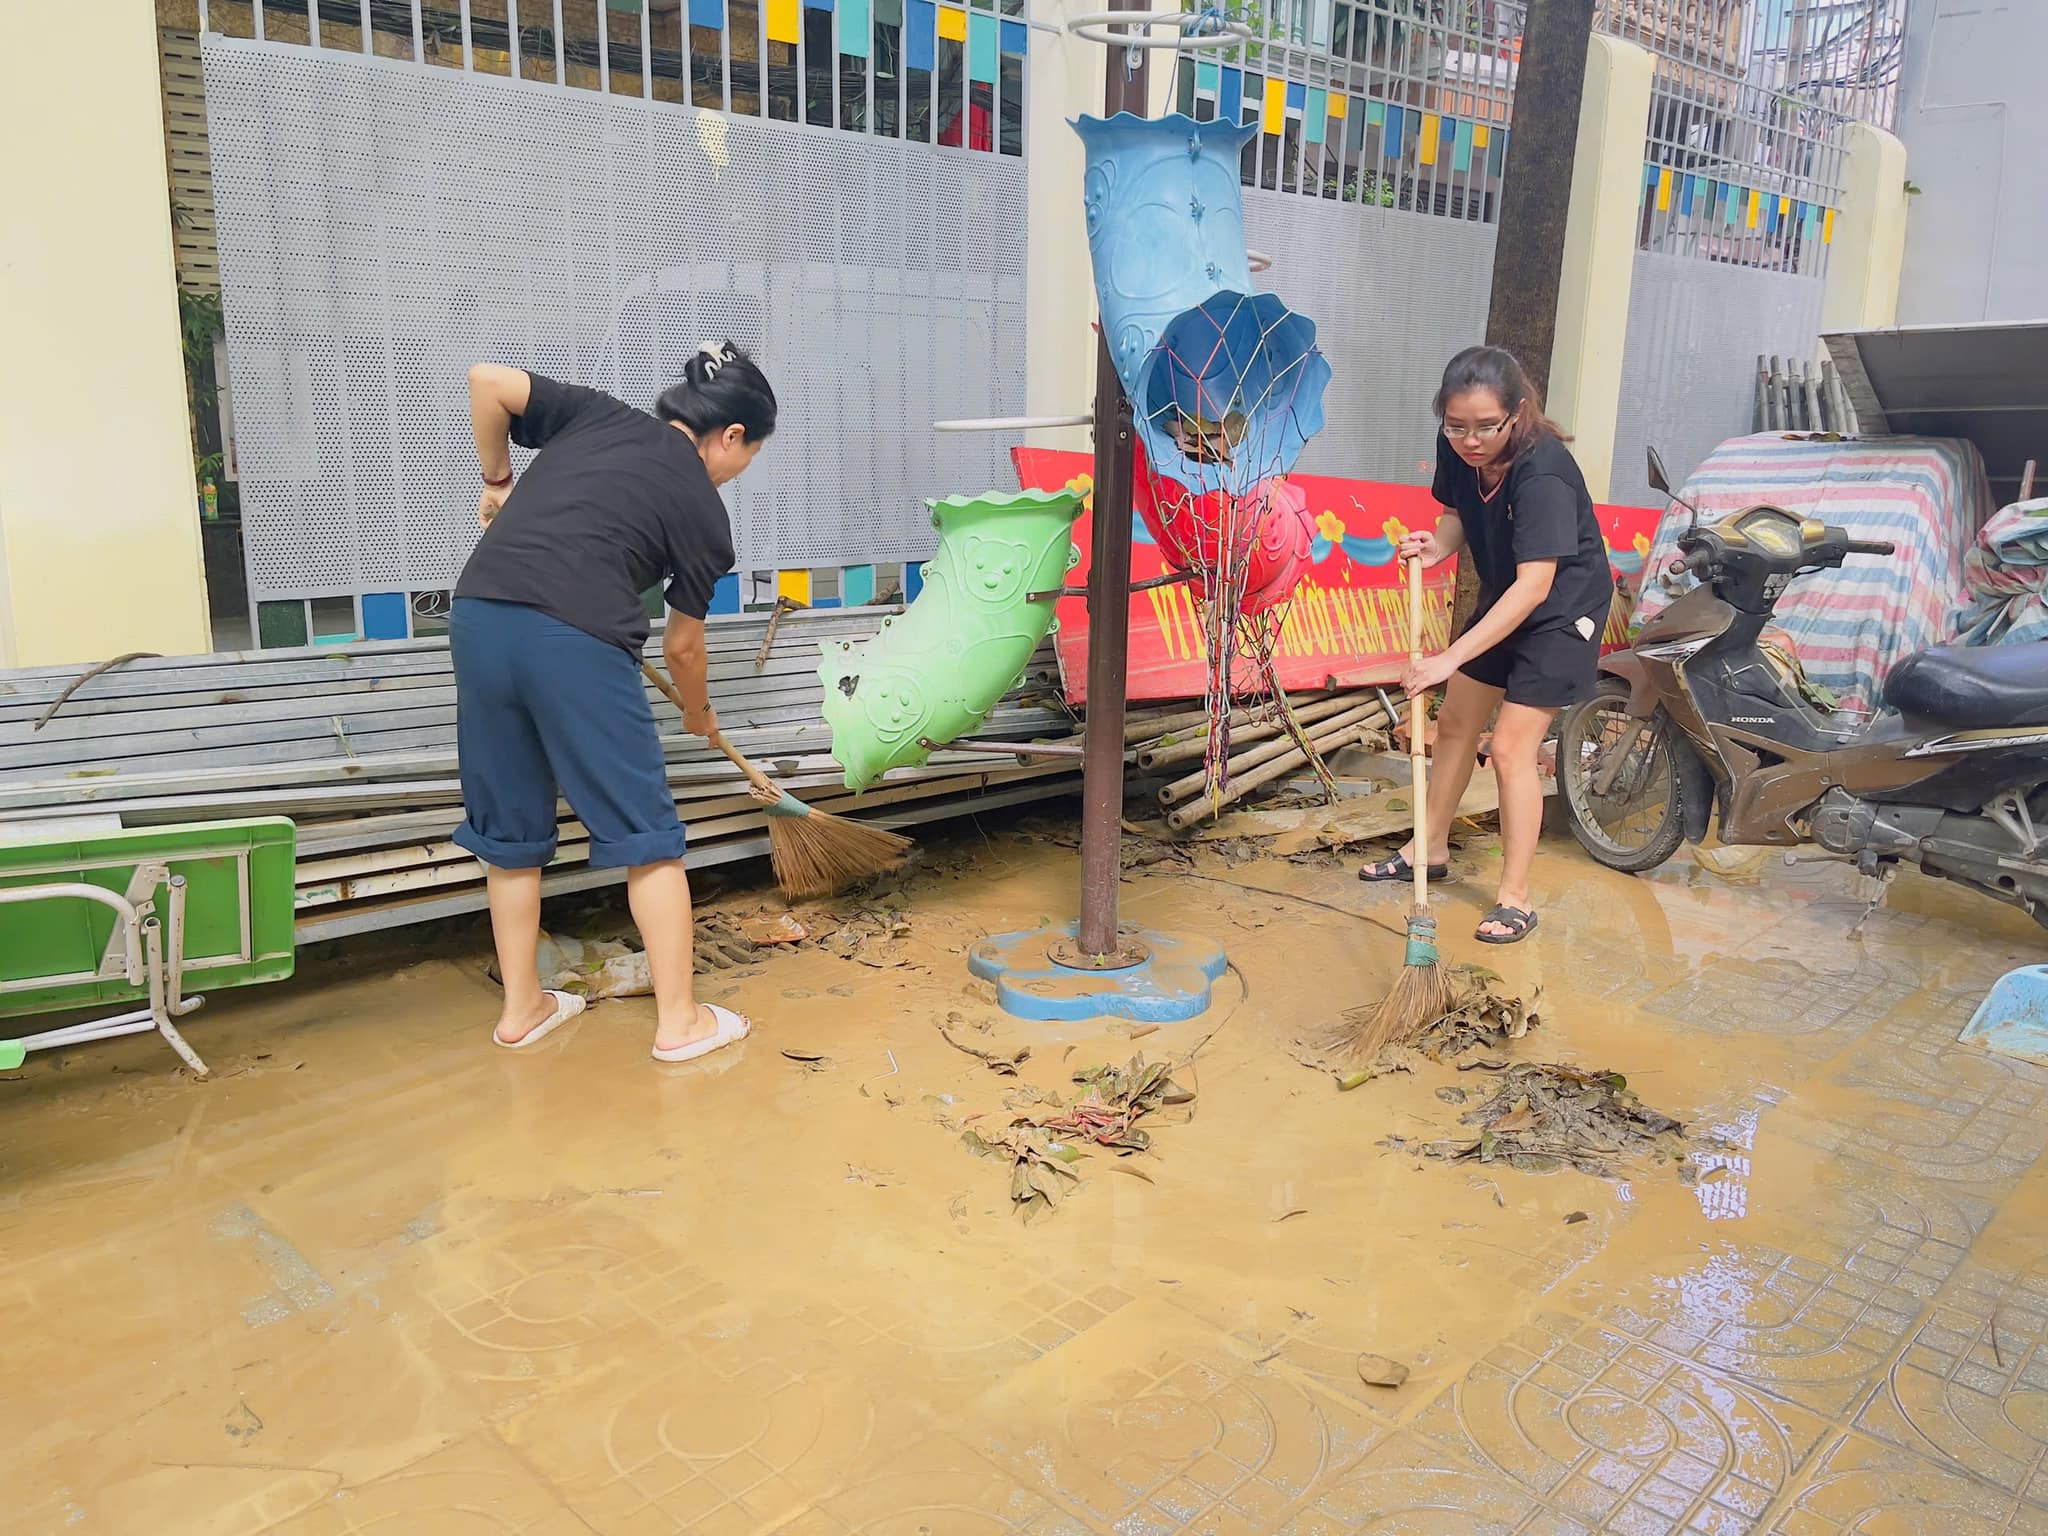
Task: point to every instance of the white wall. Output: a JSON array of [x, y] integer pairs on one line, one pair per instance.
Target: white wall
[[1974, 119]]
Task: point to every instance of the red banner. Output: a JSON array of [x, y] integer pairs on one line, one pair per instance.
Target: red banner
[[1347, 625]]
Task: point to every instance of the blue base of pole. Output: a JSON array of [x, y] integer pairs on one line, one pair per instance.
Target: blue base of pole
[[1173, 984]]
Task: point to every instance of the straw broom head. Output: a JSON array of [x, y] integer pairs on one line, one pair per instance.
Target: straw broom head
[[1421, 995], [814, 853]]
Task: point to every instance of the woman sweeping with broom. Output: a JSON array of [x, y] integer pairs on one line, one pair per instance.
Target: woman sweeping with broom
[[1514, 499], [546, 634]]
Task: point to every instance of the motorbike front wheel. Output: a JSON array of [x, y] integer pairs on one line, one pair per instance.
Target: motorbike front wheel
[[1639, 821]]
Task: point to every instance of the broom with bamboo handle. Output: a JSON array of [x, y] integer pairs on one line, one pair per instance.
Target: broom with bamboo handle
[[1421, 994], [812, 852]]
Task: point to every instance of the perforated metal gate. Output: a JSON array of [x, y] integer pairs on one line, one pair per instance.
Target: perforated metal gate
[[384, 224], [1354, 271], [1688, 374]]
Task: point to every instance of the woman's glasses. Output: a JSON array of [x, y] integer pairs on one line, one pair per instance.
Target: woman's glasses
[[1484, 432]]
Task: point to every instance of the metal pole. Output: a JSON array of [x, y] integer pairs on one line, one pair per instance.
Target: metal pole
[[1109, 613]]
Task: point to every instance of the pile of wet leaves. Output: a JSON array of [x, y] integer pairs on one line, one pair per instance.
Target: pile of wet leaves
[[1044, 1144], [1484, 1016], [1542, 1117], [598, 968], [874, 935]]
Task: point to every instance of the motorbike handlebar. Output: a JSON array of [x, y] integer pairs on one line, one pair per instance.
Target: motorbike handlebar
[[1698, 561], [1871, 547]]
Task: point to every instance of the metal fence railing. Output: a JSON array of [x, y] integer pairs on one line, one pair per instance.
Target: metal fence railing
[[1388, 103], [1839, 55], [951, 74], [1742, 164]]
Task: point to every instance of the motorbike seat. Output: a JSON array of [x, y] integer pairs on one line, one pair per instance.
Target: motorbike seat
[[1971, 687]]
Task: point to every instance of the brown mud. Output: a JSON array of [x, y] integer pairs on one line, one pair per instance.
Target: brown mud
[[379, 1275]]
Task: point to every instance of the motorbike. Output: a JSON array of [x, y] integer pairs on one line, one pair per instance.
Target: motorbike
[[1703, 719]]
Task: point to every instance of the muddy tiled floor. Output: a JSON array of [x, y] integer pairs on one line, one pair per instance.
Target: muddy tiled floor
[[379, 1276]]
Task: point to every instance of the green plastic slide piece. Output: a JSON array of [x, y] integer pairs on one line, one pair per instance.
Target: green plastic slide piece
[[12, 1054], [936, 670]]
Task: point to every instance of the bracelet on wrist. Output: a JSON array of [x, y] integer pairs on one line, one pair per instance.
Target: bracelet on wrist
[[498, 485]]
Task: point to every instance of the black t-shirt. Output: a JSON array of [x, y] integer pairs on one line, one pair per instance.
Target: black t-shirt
[[616, 503], [1541, 512]]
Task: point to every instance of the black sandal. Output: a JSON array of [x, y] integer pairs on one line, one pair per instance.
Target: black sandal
[[1514, 919], [1399, 868]]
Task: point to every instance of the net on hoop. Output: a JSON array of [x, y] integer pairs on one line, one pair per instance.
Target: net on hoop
[[1233, 394]]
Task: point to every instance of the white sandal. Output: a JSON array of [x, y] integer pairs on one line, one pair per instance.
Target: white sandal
[[731, 1027], [567, 1006]]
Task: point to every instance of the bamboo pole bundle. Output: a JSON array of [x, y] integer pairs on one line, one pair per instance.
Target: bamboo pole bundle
[[1326, 737], [1264, 752], [1196, 743]]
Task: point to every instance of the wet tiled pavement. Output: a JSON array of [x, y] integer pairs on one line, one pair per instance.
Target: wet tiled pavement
[[379, 1277]]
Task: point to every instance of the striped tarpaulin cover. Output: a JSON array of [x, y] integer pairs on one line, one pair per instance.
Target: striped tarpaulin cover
[[1928, 495], [2006, 578]]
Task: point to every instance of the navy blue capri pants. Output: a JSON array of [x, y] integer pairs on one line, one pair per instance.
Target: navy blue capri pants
[[543, 708]]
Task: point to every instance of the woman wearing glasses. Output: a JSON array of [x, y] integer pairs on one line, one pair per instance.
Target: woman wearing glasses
[[1515, 501]]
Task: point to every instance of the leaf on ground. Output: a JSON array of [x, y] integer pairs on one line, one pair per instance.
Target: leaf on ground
[[775, 928], [1004, 1063], [1713, 1175], [980, 1145], [1355, 1080], [1299, 1210], [1399, 806], [1379, 1371], [1136, 1173], [1045, 1182], [1575, 1218]]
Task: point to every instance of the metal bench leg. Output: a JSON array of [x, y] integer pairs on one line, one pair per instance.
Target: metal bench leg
[[176, 1003], [159, 1009]]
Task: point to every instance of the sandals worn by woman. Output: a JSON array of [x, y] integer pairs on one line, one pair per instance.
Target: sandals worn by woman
[[1399, 867], [731, 1027], [567, 1006], [1517, 921]]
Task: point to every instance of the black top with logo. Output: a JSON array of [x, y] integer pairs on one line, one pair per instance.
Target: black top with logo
[[1541, 511]]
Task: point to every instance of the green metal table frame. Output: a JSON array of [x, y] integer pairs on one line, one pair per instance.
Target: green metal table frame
[[105, 915]]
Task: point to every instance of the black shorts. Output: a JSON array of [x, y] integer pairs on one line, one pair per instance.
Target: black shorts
[[1545, 670]]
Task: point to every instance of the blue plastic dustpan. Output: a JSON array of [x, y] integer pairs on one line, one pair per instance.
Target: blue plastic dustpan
[[2013, 1018]]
